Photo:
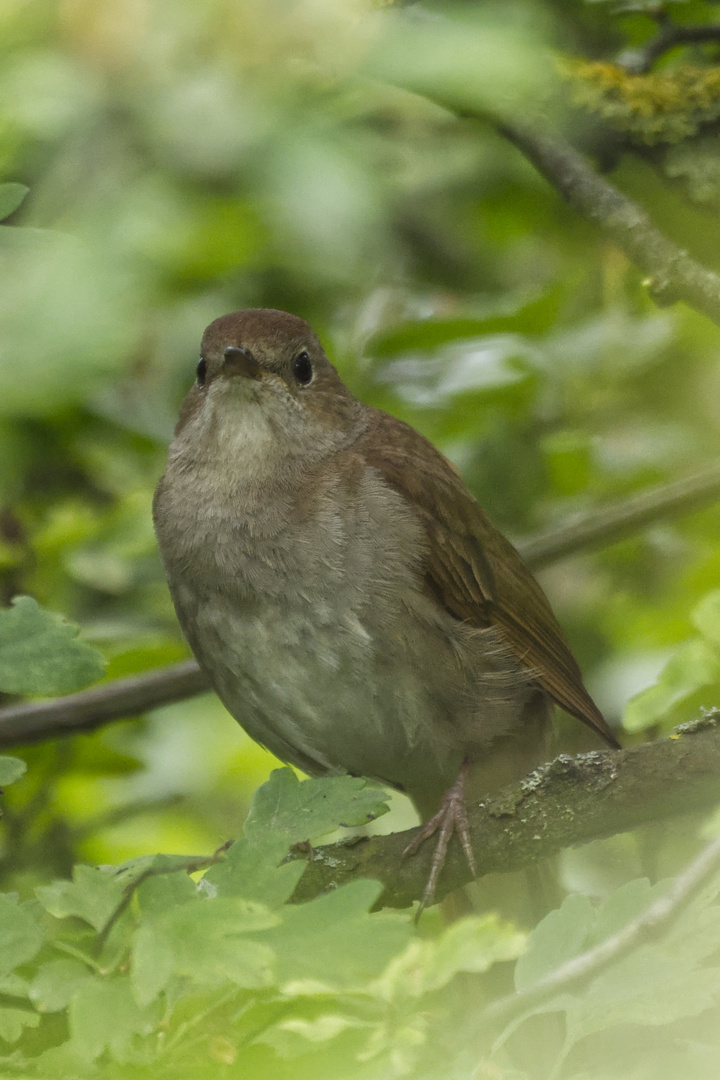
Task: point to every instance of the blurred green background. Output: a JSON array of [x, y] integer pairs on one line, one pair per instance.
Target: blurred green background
[[166, 161], [193, 157]]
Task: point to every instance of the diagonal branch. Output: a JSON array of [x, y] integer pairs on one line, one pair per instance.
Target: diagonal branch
[[597, 528], [647, 926], [572, 800], [672, 274], [34, 721]]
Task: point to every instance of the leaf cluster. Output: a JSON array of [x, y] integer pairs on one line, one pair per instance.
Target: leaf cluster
[[142, 965], [168, 966]]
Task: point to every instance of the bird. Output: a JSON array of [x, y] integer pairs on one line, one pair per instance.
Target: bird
[[348, 598]]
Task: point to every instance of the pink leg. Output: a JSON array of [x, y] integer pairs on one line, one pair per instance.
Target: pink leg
[[450, 818]]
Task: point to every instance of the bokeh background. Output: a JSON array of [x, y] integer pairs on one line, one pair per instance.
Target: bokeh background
[[166, 161], [193, 157]]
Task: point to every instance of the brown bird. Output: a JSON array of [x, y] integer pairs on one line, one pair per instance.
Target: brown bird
[[350, 601]]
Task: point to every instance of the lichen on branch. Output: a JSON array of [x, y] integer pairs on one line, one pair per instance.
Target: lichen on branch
[[569, 801], [659, 107]]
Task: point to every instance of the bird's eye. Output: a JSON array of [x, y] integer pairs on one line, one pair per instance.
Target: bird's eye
[[303, 368], [201, 371]]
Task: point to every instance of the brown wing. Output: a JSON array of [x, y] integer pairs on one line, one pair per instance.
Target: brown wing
[[472, 569]]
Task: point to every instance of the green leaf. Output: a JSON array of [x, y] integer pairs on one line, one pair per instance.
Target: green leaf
[[334, 941], [696, 664], [153, 963], [56, 983], [706, 616], [285, 811], [304, 810], [40, 652], [11, 196], [488, 365], [11, 769], [472, 944], [14, 1021], [652, 985], [647, 708], [104, 1015], [623, 905], [647, 987], [205, 942], [560, 936], [116, 944], [94, 894], [250, 869], [21, 935], [157, 894]]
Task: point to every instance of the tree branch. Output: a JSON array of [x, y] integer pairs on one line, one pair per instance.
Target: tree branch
[[597, 528], [647, 926], [672, 274], [37, 720], [572, 800], [640, 61], [33, 721]]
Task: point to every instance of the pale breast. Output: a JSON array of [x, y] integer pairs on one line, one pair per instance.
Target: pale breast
[[314, 628]]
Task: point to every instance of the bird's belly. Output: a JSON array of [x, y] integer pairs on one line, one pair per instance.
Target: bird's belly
[[330, 693]]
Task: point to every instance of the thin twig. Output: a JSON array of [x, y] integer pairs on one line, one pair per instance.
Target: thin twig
[[596, 528], [645, 927], [672, 274], [190, 864], [34, 721], [640, 61]]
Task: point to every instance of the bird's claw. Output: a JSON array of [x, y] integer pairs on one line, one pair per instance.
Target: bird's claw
[[450, 818]]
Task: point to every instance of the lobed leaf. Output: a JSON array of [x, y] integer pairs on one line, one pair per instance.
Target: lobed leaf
[[307, 809], [93, 895], [40, 652], [21, 933]]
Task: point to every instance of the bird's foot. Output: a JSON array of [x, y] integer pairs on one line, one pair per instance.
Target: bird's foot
[[450, 818]]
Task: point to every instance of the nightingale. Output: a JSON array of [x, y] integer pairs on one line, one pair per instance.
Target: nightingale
[[351, 603]]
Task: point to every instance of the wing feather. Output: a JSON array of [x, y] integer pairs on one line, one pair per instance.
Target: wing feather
[[472, 569]]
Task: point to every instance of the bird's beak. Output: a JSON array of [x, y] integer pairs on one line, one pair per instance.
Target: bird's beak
[[239, 361]]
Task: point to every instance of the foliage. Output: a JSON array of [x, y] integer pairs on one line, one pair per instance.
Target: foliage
[[161, 163], [693, 670], [142, 970]]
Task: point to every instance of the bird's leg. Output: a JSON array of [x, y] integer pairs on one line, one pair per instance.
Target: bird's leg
[[450, 818]]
